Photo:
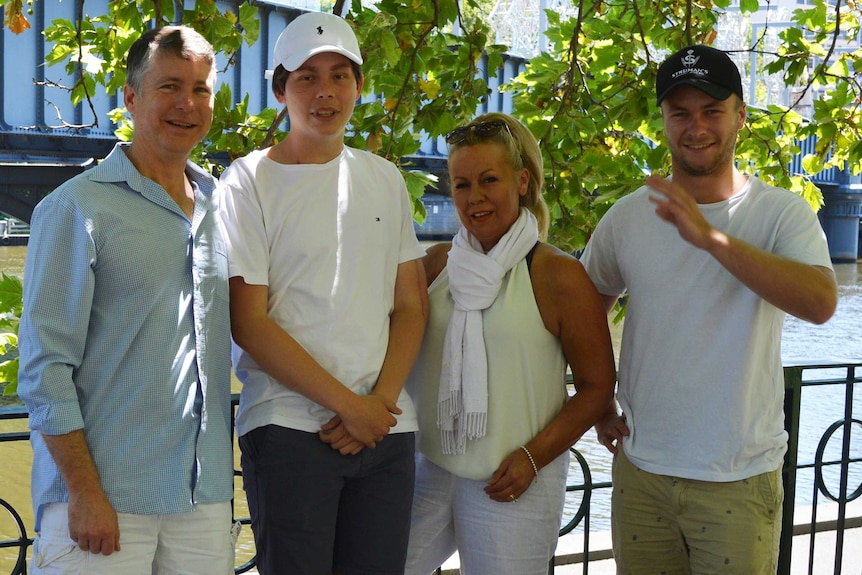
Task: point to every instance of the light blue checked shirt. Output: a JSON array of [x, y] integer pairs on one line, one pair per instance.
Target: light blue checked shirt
[[125, 334]]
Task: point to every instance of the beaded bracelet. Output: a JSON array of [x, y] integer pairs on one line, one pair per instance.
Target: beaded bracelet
[[532, 462]]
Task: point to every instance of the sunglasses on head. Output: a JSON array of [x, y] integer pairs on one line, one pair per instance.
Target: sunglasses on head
[[482, 130]]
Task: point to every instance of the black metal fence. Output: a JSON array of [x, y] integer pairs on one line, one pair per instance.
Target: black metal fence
[[819, 399], [827, 468]]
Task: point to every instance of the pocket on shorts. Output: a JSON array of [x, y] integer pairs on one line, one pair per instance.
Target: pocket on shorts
[[771, 490], [48, 552], [235, 529]]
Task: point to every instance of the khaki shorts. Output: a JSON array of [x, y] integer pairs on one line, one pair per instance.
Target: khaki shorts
[[675, 526]]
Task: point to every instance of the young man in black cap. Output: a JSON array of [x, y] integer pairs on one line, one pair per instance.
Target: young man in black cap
[[712, 260]]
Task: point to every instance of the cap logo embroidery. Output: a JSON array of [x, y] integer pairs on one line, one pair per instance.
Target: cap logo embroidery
[[690, 59], [320, 30]]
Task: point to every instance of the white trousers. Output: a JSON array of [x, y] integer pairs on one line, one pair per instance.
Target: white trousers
[[197, 543], [514, 538]]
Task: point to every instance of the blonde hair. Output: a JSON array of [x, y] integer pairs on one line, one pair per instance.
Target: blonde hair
[[522, 151]]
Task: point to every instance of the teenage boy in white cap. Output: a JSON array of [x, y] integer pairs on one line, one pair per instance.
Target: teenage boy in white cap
[[328, 308], [712, 260]]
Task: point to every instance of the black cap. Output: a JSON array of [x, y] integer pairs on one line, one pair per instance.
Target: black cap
[[705, 68]]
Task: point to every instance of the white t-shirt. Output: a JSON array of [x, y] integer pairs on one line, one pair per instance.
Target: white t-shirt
[[327, 239], [701, 378]]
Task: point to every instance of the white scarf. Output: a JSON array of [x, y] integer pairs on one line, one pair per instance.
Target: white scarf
[[474, 281]]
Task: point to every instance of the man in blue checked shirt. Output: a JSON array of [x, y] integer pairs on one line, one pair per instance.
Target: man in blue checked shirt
[[125, 341]]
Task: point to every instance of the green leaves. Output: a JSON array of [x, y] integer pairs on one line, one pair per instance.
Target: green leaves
[[11, 293], [749, 6], [589, 98], [424, 78]]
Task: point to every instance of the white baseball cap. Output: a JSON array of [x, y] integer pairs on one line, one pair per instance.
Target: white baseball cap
[[312, 33]]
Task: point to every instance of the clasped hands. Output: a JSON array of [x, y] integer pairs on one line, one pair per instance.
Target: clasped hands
[[364, 424]]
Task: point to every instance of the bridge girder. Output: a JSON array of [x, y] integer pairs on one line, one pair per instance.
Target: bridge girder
[[22, 186], [33, 163]]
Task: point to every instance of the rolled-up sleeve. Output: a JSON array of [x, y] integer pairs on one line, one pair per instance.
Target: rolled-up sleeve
[[58, 292]]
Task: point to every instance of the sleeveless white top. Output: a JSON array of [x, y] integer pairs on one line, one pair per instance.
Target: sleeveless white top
[[526, 375]]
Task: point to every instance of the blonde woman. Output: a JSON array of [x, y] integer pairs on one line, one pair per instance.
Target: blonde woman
[[508, 314]]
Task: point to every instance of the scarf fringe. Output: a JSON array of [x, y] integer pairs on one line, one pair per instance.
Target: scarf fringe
[[475, 424], [449, 408], [470, 426], [452, 442]]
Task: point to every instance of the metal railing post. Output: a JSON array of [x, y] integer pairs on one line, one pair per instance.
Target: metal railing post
[[792, 402]]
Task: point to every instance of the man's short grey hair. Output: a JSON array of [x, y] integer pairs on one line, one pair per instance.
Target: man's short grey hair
[[180, 41]]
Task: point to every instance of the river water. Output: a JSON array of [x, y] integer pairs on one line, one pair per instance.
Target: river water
[[840, 338]]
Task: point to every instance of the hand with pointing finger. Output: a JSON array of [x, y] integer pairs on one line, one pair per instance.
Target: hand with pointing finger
[[677, 207]]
